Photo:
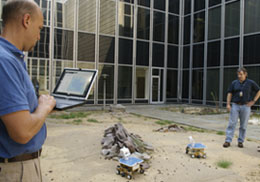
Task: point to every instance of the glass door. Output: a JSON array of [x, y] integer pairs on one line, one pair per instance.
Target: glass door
[[157, 86]]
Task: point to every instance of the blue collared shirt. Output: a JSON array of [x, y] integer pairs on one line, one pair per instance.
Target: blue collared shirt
[[16, 94], [243, 92]]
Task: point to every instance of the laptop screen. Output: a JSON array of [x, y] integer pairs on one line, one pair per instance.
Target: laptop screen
[[75, 82]]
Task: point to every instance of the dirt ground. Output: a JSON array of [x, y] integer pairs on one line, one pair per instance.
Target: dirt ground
[[71, 153]]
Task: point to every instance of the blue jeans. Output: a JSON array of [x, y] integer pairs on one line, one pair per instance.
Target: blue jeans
[[243, 112]]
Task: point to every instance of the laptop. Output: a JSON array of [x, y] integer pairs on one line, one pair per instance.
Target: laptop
[[73, 87]]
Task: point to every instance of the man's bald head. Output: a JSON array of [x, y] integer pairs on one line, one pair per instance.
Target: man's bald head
[[13, 10]]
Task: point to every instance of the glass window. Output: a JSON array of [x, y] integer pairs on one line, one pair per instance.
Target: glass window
[[109, 71], [143, 23], [124, 82], [252, 16], [214, 2], [174, 6], [232, 19], [141, 84], [185, 84], [65, 14], [197, 84], [107, 17], [87, 15], [173, 29], [128, 1], [199, 5], [213, 56], [199, 27], [251, 49], [212, 86], [172, 84], [142, 53], [214, 23], [106, 49], [144, 2], [158, 26], [173, 52], [198, 55], [126, 19], [187, 24], [86, 47], [125, 51], [85, 65], [231, 52], [158, 55], [159, 4], [230, 74], [63, 44], [186, 57], [187, 7]]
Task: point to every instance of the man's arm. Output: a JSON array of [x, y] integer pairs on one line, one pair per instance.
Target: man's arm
[[229, 97], [249, 104], [22, 126]]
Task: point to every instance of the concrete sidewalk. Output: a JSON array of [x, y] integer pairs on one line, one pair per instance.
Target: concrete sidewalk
[[216, 122]]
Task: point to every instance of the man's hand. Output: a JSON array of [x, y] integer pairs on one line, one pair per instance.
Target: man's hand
[[251, 103], [46, 103], [228, 107]]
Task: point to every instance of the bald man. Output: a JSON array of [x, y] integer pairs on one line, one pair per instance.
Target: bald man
[[22, 116]]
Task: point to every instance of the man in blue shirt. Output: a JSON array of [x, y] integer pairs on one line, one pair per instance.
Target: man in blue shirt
[[22, 116], [243, 92]]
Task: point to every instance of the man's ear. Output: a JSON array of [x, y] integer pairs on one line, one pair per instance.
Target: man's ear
[[26, 20]]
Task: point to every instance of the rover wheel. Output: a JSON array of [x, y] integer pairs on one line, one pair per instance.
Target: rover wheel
[[187, 150], [129, 177], [192, 156], [204, 156], [141, 171], [117, 171], [123, 174]]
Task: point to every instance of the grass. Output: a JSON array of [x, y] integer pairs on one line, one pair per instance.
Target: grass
[[71, 115], [190, 128], [163, 122], [92, 120], [224, 164], [77, 121], [220, 133]]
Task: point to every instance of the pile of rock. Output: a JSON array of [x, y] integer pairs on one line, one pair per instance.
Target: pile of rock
[[173, 127]]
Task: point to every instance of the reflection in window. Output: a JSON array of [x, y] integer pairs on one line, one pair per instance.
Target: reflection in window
[[172, 56], [159, 4], [109, 71], [158, 26], [231, 52], [63, 44], [214, 23], [187, 25], [187, 7], [197, 84], [126, 19], [144, 2], [125, 51], [174, 6], [251, 49], [158, 55], [199, 27], [232, 19], [186, 57], [86, 47], [65, 14], [107, 17], [87, 15], [172, 84], [213, 56], [199, 5], [185, 84], [214, 2], [106, 49], [252, 16], [141, 84], [142, 53], [124, 82], [198, 55], [212, 86], [143, 23], [173, 29], [230, 74]]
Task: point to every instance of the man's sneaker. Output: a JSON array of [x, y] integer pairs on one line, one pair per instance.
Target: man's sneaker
[[240, 145], [226, 145]]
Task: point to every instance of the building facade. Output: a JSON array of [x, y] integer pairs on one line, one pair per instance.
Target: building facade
[[152, 51]]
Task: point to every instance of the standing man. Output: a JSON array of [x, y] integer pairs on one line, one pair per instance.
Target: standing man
[[22, 116], [244, 93]]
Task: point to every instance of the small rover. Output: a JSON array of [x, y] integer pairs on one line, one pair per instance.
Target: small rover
[[196, 150]]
